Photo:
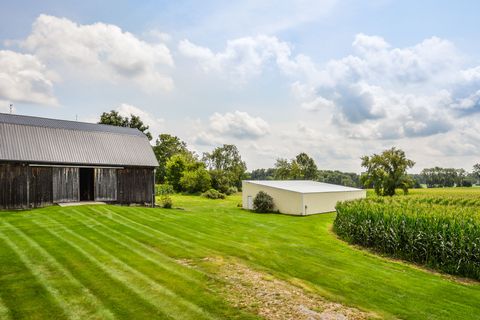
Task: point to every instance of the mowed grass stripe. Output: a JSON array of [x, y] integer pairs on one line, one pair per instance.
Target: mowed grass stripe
[[159, 296], [80, 301], [116, 295], [161, 261], [41, 275], [4, 312], [185, 245], [124, 277]]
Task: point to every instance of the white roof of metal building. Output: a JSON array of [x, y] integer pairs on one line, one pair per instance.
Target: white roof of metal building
[[50, 141], [303, 186]]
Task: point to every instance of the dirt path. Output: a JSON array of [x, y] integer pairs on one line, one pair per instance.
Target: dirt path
[[272, 298]]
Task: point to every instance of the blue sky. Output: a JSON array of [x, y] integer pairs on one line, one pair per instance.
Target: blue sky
[[336, 79]]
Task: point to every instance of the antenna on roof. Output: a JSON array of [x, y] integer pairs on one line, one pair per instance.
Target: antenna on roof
[[11, 108]]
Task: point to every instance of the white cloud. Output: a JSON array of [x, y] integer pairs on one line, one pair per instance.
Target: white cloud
[[239, 125], [24, 78], [104, 50], [383, 92], [242, 58], [156, 124]]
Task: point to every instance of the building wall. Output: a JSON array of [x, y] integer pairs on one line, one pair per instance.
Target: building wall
[[326, 201], [285, 201], [135, 185], [23, 187]]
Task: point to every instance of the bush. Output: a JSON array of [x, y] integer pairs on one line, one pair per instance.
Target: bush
[[196, 181], [164, 189], [263, 203], [213, 194], [166, 202], [231, 190], [441, 233]]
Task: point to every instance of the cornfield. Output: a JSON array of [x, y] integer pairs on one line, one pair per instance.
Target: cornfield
[[440, 233]]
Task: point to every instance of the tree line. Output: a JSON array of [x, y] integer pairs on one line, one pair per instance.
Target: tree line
[[223, 169]]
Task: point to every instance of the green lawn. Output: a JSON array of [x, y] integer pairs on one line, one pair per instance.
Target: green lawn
[[111, 262]]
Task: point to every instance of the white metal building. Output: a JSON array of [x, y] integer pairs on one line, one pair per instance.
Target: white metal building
[[299, 197]]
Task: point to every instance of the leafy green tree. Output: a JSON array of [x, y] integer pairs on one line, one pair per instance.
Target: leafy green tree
[[302, 167], [197, 180], [307, 167], [387, 171], [113, 118], [226, 160], [165, 147], [476, 172], [262, 174], [175, 168]]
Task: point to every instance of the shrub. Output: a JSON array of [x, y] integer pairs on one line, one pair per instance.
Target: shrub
[[263, 203], [441, 233], [164, 189], [196, 181], [213, 194], [166, 202], [231, 190]]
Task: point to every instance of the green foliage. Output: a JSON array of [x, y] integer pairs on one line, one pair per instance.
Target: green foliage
[[166, 202], [113, 118], [197, 180], [441, 233], [175, 168], [348, 179], [263, 202], [220, 180], [225, 161], [165, 147], [476, 173], [213, 194], [303, 167], [164, 189], [231, 190], [387, 171], [262, 174]]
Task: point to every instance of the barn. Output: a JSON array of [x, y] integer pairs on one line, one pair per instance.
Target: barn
[[47, 161], [299, 197]]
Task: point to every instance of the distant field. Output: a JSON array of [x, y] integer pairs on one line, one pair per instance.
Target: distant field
[[111, 262], [441, 192]]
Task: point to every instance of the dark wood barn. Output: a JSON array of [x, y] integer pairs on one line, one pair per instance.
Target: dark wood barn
[[46, 161]]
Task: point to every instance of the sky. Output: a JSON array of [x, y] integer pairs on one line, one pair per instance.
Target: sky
[[337, 79]]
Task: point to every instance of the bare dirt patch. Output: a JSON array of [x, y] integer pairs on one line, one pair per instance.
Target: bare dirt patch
[[270, 297]]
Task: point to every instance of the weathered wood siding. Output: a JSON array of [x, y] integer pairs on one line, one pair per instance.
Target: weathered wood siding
[[41, 187], [105, 184], [13, 186], [65, 185], [135, 185]]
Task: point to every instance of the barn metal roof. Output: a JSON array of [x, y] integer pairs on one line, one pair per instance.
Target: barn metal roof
[[303, 186], [41, 140]]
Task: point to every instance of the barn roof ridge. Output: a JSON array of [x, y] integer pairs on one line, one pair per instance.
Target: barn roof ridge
[[36, 121]]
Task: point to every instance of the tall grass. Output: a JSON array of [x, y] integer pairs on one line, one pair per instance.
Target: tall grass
[[441, 233]]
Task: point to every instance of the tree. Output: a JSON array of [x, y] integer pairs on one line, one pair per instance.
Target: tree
[[113, 118], [174, 170], [476, 172], [197, 180], [307, 167], [226, 161], [302, 167], [165, 147], [387, 171]]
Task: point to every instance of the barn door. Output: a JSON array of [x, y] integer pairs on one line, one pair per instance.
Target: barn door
[[65, 185], [105, 184]]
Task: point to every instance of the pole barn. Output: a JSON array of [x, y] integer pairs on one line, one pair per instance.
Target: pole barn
[[299, 197], [47, 161]]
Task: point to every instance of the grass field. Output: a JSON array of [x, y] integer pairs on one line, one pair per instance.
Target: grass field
[[111, 262]]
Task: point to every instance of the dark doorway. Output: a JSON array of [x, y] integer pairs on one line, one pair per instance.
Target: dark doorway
[[86, 184]]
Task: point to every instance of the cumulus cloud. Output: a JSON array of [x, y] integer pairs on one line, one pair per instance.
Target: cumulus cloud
[[239, 124], [242, 58], [102, 49], [24, 78], [382, 92], [156, 124]]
